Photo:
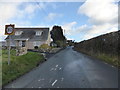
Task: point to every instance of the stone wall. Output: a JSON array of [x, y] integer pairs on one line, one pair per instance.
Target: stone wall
[[21, 51]]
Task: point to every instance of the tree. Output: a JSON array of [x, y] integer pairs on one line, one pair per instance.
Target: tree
[[57, 35]]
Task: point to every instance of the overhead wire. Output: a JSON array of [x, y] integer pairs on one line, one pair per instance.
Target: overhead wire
[[41, 7]]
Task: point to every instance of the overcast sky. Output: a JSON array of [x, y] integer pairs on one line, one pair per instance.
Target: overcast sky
[[80, 20]]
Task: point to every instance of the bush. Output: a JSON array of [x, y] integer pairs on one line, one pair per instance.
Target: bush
[[61, 43], [45, 48]]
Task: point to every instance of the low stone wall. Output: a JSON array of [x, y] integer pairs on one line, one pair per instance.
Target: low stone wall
[[54, 50], [21, 51], [47, 54]]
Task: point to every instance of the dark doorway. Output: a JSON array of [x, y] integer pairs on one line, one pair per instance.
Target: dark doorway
[[23, 43]]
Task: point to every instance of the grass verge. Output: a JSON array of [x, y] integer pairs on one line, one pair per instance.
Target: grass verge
[[19, 65], [111, 59]]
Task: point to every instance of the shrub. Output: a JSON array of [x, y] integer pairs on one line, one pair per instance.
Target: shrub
[[61, 43], [45, 48]]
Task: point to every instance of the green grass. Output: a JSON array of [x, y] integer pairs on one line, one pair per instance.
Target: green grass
[[18, 65], [109, 59]]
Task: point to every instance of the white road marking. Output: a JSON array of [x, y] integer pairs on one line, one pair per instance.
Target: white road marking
[[54, 82], [56, 66], [43, 79], [50, 80], [39, 80], [60, 68], [39, 87], [58, 87], [51, 69], [62, 79]]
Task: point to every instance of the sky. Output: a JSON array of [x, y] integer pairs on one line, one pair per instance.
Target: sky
[[80, 20]]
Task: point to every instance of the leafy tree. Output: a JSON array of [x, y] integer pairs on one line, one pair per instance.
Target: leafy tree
[[57, 35]]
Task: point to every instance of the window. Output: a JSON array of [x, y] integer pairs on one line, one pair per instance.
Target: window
[[18, 32], [38, 33], [20, 43], [23, 43]]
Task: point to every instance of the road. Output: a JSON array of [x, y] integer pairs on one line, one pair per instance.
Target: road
[[69, 69]]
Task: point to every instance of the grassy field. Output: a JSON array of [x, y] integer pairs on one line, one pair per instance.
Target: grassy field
[[18, 65]]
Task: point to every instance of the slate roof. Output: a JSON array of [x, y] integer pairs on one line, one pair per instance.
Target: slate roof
[[30, 33]]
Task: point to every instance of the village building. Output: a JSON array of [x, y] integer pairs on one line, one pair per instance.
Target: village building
[[29, 37]]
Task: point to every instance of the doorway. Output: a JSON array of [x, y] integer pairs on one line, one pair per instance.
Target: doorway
[[23, 43]]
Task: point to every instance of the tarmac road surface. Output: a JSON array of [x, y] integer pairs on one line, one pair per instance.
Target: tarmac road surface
[[69, 69]]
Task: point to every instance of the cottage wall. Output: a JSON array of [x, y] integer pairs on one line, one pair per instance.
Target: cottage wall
[[30, 44]]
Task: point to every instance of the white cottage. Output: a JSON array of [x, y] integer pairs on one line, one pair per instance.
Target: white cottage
[[30, 37]]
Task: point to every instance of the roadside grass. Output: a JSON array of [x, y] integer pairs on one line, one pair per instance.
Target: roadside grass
[[19, 65], [109, 59]]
